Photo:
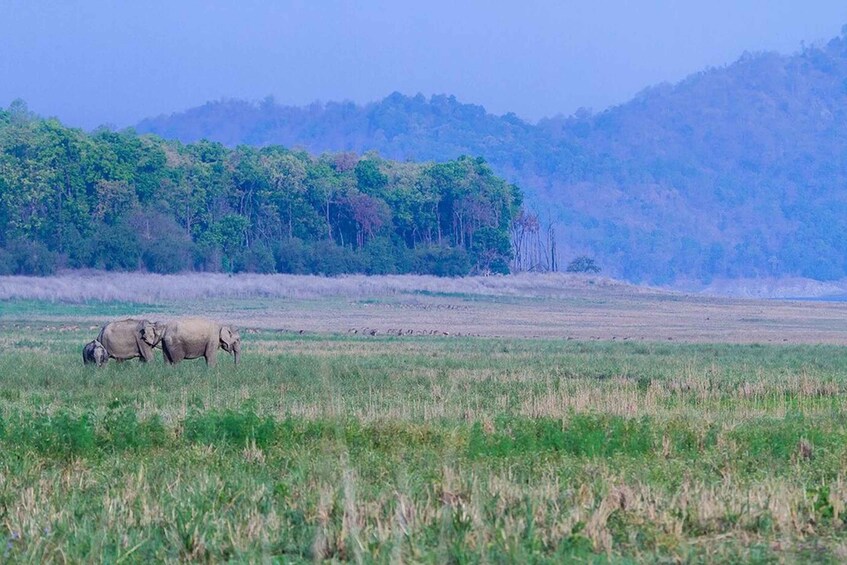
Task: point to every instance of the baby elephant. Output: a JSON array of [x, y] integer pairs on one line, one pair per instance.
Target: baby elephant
[[94, 353]]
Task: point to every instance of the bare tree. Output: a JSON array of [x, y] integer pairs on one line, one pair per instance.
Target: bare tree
[[524, 231]]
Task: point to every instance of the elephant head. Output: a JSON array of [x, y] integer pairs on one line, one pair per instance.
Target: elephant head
[[152, 332], [231, 341]]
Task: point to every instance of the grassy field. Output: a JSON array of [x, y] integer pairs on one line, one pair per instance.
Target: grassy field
[[333, 445]]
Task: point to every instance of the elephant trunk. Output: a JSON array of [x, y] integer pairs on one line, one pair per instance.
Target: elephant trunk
[[236, 353]]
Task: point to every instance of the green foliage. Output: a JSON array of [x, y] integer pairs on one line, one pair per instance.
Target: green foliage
[[26, 257], [66, 435], [118, 201], [326, 258], [441, 261], [491, 250], [779, 438], [237, 428], [292, 256], [582, 435], [369, 178], [121, 430], [256, 259], [60, 435], [116, 247]]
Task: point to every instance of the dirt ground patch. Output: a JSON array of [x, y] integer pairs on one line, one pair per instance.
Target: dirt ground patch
[[635, 317], [556, 307]]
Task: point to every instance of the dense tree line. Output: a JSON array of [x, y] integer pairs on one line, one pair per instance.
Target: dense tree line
[[736, 171], [120, 201]]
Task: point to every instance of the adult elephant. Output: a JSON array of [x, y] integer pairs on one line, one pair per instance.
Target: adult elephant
[[196, 337], [130, 338]]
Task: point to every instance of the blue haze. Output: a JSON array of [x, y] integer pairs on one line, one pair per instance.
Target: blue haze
[[93, 63]]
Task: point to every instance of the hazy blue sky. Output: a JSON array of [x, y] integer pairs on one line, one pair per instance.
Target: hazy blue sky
[[91, 62]]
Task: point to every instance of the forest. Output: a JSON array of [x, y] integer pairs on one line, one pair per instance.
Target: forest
[[116, 200], [736, 171]]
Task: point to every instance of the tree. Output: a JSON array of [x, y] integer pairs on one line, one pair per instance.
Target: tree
[[114, 200], [369, 214], [369, 178], [583, 264], [288, 174], [524, 231], [164, 246], [491, 251]]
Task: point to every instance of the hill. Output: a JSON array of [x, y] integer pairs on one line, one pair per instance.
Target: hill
[[398, 127], [733, 172]]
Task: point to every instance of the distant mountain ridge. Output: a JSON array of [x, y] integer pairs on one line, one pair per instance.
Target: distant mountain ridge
[[737, 171], [440, 128]]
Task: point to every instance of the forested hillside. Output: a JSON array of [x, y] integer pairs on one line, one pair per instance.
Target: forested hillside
[[736, 171], [120, 201]]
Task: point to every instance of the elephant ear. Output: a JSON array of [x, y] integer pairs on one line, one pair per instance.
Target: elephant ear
[[227, 337], [148, 334], [159, 330]]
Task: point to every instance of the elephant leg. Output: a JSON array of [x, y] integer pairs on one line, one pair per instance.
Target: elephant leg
[[211, 355], [169, 354], [144, 353]]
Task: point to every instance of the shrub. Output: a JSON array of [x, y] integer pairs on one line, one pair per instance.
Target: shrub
[[379, 257], [229, 427], [582, 435], [208, 257], [582, 264], [491, 250], [58, 435], [25, 257], [441, 261], [329, 259], [7, 265], [291, 257], [257, 259], [164, 246], [116, 248], [121, 430]]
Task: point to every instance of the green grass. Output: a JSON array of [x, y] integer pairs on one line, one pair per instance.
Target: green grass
[[436, 450], [17, 308]]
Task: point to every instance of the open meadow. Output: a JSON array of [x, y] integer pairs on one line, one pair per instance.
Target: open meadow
[[412, 419]]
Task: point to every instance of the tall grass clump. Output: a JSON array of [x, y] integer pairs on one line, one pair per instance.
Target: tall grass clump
[[83, 286]]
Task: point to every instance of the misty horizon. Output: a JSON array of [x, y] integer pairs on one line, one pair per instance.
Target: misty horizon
[[99, 64], [271, 98]]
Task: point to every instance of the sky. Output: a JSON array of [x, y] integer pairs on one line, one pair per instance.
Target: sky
[[91, 63]]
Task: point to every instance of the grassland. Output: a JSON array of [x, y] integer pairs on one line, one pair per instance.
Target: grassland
[[431, 448]]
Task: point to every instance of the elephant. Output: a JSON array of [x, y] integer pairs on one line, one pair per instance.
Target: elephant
[[130, 338], [94, 354], [197, 337]]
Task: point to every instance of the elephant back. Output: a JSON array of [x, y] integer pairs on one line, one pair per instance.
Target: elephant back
[[123, 339]]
